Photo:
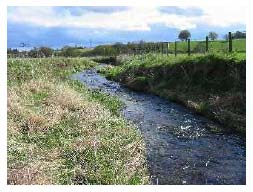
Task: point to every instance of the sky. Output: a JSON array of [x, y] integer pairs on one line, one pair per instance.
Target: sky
[[90, 26]]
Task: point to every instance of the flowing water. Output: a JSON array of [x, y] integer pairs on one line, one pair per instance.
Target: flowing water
[[181, 148]]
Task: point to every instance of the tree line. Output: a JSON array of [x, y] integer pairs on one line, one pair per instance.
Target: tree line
[[212, 35]]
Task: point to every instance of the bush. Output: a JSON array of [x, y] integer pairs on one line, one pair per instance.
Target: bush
[[70, 52], [41, 52]]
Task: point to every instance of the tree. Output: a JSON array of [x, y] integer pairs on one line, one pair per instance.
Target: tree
[[33, 53], [239, 35], [184, 35], [212, 35], [41, 52], [46, 51]]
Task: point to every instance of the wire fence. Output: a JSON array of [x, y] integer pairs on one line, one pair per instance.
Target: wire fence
[[188, 46]]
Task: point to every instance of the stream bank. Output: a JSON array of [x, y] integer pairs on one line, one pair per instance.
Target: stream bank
[[182, 147]]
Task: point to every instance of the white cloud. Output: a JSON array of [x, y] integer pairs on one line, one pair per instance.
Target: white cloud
[[222, 16], [134, 18]]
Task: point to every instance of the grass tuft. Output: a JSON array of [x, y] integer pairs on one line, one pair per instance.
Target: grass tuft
[[59, 132]]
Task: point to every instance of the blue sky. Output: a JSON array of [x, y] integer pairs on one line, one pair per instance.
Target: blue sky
[[59, 26]]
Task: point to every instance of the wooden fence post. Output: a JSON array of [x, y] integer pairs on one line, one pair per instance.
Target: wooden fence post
[[167, 48], [206, 43], [189, 47], [230, 42], [175, 48]]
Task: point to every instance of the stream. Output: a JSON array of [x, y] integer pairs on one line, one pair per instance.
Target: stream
[[181, 148]]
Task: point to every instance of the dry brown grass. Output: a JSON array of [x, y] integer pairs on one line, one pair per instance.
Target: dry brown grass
[[61, 133], [114, 151], [28, 176]]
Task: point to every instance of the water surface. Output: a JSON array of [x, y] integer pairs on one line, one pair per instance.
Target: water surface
[[181, 149]]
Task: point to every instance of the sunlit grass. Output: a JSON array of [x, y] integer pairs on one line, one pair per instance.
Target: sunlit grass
[[59, 132]]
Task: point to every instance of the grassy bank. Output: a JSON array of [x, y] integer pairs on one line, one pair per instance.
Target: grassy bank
[[59, 132], [212, 85]]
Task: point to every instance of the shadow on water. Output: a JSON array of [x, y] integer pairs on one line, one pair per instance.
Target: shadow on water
[[180, 147]]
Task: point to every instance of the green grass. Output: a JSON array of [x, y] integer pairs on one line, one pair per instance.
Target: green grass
[[217, 46], [213, 84], [59, 132]]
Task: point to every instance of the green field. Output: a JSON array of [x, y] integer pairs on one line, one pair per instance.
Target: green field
[[59, 132], [239, 45]]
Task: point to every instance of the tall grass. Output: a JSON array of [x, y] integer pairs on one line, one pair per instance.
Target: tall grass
[[59, 132]]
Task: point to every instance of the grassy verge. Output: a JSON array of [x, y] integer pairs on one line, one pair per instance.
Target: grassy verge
[[61, 133], [212, 85]]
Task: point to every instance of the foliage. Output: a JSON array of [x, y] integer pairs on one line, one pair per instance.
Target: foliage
[[12, 51], [41, 52], [239, 35], [184, 35], [70, 52], [213, 35]]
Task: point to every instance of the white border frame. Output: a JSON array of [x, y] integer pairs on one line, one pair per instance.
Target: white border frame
[[174, 188]]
